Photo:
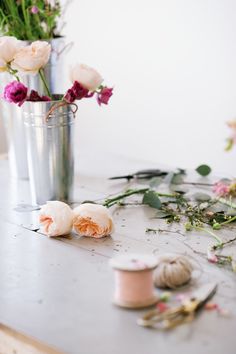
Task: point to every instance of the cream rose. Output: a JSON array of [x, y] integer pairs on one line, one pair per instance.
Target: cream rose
[[92, 220], [56, 218], [9, 46], [32, 58], [86, 76]]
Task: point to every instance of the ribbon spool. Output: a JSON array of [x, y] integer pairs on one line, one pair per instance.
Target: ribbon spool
[[134, 286]]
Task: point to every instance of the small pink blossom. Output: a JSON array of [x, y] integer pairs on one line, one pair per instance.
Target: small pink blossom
[[15, 92], [211, 257], [34, 10], [104, 95], [221, 189]]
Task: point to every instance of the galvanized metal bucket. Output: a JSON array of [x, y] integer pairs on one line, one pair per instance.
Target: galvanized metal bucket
[[13, 115], [50, 149]]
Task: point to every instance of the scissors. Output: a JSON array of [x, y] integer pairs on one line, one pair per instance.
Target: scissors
[[142, 174], [184, 313]]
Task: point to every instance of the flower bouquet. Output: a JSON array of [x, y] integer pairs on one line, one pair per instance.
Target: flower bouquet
[[30, 20], [48, 118]]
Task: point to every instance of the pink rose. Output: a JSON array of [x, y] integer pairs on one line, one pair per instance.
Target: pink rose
[[88, 77], [15, 92]]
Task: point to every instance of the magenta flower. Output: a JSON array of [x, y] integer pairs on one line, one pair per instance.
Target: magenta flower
[[221, 189], [76, 92], [35, 97], [104, 95], [34, 10], [15, 92]]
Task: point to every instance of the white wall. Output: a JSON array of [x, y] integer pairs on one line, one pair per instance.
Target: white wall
[[173, 65]]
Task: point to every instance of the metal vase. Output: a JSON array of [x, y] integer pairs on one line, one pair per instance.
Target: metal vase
[[13, 115], [50, 149]]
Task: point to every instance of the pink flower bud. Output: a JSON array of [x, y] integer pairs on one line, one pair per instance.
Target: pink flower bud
[[221, 189], [104, 95], [34, 10], [211, 257]]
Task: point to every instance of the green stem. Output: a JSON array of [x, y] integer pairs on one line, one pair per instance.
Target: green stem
[[215, 247], [26, 19], [110, 202], [41, 74], [228, 221], [218, 239]]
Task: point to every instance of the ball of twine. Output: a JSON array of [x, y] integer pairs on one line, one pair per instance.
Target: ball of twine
[[172, 271]]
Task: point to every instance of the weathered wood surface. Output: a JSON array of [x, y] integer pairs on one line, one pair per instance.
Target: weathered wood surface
[[59, 291]]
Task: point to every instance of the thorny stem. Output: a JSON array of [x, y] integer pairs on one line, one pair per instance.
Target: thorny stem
[[199, 184], [163, 230], [215, 247], [109, 202]]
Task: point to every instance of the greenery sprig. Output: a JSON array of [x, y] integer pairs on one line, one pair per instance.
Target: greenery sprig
[[199, 211], [29, 19]]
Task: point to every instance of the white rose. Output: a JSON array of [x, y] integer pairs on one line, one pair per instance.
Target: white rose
[[92, 220], [32, 58], [86, 76], [56, 218], [9, 46]]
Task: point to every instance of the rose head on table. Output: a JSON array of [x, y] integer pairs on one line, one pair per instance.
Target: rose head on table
[[17, 59]]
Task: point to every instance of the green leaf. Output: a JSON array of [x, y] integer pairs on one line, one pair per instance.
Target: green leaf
[[155, 182], [150, 198], [203, 170], [201, 197]]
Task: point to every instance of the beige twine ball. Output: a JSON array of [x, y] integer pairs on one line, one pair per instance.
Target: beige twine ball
[[172, 271]]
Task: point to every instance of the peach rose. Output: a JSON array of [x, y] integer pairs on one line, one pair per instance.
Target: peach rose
[[56, 218], [92, 220], [9, 46], [88, 77], [30, 59]]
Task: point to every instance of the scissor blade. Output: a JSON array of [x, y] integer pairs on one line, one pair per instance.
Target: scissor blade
[[204, 293]]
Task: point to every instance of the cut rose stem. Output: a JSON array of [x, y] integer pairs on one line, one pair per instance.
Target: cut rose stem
[[109, 202], [42, 77]]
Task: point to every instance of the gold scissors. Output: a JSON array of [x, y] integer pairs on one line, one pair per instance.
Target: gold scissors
[[184, 313]]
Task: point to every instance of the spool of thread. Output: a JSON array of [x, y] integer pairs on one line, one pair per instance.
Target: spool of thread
[[134, 286]]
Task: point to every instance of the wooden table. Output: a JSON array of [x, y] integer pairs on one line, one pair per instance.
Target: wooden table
[[59, 290]]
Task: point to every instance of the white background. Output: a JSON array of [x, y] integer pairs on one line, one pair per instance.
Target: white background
[[173, 67]]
